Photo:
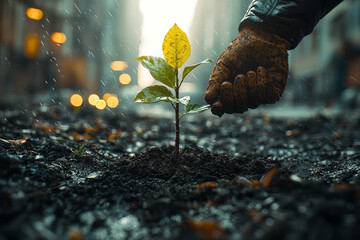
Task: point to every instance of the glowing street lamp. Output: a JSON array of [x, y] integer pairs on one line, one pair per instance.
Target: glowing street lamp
[[101, 104], [106, 96], [34, 13], [125, 79], [118, 65], [112, 102], [93, 99], [76, 100], [58, 37], [32, 46]]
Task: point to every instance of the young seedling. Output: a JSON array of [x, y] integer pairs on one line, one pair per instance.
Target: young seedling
[[81, 151], [176, 50]]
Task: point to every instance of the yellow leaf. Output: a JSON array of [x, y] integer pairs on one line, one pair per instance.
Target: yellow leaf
[[176, 47]]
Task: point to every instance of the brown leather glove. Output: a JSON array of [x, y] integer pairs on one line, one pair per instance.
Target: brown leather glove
[[251, 71]]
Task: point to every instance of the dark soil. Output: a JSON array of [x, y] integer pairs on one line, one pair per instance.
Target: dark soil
[[123, 186]]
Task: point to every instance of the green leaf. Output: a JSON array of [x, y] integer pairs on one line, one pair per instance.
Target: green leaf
[[81, 151], [159, 69], [184, 100], [154, 94], [188, 69], [195, 108], [157, 93]]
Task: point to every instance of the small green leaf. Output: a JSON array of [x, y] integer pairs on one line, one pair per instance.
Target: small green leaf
[[188, 69], [154, 94], [184, 100], [159, 69], [195, 108], [81, 151]]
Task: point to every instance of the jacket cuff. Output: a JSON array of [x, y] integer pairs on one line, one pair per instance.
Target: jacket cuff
[[256, 23], [289, 19]]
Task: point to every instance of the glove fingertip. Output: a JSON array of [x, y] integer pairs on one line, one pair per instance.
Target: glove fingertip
[[226, 97], [240, 93], [252, 90], [217, 109], [210, 97], [261, 84], [212, 92]]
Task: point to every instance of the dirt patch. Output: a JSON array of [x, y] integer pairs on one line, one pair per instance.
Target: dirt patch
[[122, 185]]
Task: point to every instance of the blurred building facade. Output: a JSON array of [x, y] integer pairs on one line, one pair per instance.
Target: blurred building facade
[[71, 45], [322, 67], [325, 67]]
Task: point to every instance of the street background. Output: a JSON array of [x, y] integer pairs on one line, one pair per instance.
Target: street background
[[51, 50]]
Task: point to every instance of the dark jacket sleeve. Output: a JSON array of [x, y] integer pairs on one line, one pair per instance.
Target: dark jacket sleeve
[[289, 19]]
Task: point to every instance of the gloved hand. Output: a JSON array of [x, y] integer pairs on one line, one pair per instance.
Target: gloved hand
[[251, 71]]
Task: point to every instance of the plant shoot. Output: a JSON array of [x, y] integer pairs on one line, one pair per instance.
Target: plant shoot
[[176, 50]]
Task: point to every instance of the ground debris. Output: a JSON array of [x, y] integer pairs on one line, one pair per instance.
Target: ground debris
[[15, 143], [241, 180], [208, 230], [263, 183]]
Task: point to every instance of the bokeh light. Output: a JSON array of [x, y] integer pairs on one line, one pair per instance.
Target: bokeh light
[[112, 102], [125, 79], [32, 46], [34, 13], [93, 99], [106, 96], [58, 37], [118, 65], [101, 104], [76, 100]]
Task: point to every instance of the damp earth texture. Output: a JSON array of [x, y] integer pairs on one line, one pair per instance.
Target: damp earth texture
[[68, 174]]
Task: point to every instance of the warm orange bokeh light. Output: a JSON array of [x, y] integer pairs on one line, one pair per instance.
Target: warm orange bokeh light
[[32, 46], [112, 102], [58, 37], [101, 104], [106, 96], [76, 100], [34, 13], [125, 79], [93, 99], [118, 65]]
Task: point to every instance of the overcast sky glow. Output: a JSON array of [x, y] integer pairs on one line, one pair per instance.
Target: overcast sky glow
[[158, 17]]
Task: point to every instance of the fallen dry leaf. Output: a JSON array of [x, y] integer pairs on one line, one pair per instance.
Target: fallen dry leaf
[[78, 137], [14, 143], [290, 133], [46, 128], [92, 129], [266, 179], [75, 234], [339, 187], [243, 181], [117, 134], [206, 184], [111, 137], [256, 215], [208, 230], [264, 182]]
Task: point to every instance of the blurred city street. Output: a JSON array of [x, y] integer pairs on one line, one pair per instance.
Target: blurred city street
[[79, 159]]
